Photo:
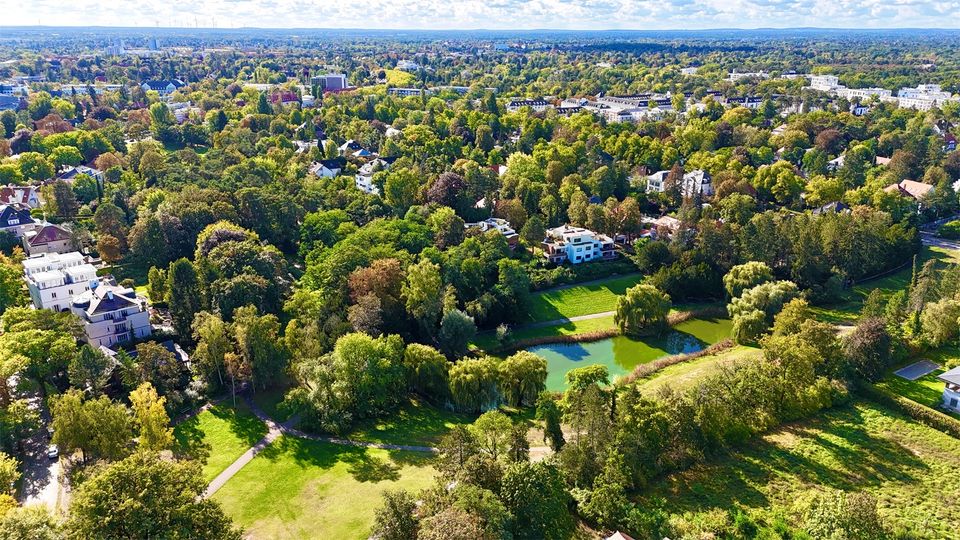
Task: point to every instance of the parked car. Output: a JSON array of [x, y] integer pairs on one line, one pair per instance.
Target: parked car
[[53, 452]]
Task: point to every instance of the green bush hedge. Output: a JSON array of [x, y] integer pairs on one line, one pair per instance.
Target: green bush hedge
[[950, 229], [924, 415]]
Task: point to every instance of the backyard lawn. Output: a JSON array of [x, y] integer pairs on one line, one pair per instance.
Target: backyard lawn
[[927, 390], [912, 469], [576, 300], [297, 488], [221, 431]]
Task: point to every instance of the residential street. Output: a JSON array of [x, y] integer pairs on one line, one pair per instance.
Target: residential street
[[40, 484]]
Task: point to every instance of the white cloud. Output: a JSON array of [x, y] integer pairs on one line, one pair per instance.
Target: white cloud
[[492, 14]]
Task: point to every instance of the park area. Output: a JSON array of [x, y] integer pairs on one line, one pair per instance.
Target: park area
[[298, 488], [912, 469], [222, 433]]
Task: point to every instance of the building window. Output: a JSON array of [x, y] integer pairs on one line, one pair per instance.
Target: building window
[[53, 295], [953, 403]]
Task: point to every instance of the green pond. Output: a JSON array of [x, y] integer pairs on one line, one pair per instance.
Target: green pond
[[621, 354]]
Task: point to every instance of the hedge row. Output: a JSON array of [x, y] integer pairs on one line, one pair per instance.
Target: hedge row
[[920, 413], [645, 370]]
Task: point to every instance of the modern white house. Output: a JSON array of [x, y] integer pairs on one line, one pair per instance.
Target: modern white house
[[697, 182], [111, 315], [49, 238], [55, 278], [502, 226], [951, 389], [577, 245]]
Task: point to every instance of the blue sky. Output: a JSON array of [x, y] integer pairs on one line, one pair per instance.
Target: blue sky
[[492, 14]]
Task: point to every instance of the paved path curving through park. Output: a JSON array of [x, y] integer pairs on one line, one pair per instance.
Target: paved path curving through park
[[275, 430]]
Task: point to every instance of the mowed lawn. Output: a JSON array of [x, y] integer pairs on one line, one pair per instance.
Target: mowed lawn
[[222, 433], [912, 469], [576, 300], [298, 488]]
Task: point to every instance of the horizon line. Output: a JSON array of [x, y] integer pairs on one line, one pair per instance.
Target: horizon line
[[471, 29]]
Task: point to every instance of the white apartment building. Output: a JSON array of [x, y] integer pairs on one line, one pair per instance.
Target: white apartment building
[[111, 315], [697, 182], [824, 83], [577, 245], [863, 93], [364, 178], [55, 278], [537, 105]]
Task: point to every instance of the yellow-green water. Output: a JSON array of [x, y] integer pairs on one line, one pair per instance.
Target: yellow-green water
[[621, 354]]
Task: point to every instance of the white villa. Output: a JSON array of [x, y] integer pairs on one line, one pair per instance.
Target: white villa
[[951, 389], [577, 245], [55, 278], [697, 182], [111, 315]]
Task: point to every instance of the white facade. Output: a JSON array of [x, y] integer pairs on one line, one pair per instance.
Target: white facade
[[111, 315], [577, 245], [364, 178], [951, 389], [824, 83], [54, 279], [538, 105], [697, 182]]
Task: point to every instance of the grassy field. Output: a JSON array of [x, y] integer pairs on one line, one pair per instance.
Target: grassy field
[[847, 310], [417, 424], [576, 300], [223, 431], [913, 470], [927, 390], [298, 488], [683, 376]]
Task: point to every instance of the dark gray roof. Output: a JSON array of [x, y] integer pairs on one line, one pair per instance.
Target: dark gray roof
[[8, 212], [951, 376]]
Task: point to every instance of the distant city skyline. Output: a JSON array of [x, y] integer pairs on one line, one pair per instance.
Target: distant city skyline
[[489, 14]]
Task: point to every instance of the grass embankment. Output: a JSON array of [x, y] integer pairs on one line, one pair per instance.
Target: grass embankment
[[222, 432], [684, 374], [298, 488], [912, 469], [848, 308]]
